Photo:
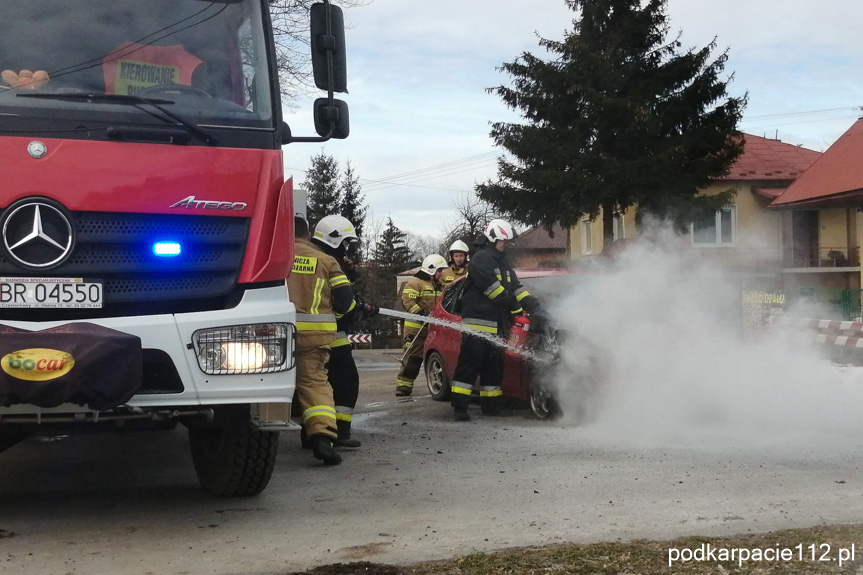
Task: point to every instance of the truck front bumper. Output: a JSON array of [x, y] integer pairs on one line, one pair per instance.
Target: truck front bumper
[[172, 334]]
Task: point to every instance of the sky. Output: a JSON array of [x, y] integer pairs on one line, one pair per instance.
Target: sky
[[418, 73]]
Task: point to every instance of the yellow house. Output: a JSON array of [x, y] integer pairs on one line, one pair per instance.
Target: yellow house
[[822, 214], [785, 249]]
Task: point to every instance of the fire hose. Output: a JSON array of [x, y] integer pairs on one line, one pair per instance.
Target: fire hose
[[428, 320]]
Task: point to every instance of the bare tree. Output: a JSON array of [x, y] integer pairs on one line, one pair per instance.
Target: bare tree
[[291, 29], [422, 246], [374, 226], [473, 215]]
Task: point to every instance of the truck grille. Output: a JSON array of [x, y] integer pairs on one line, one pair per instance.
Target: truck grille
[[116, 249]]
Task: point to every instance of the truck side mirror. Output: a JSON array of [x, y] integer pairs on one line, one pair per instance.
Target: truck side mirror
[[328, 37], [332, 120]]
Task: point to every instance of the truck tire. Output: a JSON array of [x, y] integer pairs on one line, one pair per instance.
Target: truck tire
[[436, 377], [233, 459]]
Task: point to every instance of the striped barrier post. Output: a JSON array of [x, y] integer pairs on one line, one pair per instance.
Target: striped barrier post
[[826, 331], [360, 338]]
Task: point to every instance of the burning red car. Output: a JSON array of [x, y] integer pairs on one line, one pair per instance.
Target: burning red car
[[522, 378]]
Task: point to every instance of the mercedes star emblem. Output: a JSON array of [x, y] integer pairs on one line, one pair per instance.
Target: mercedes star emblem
[[37, 149], [37, 234]]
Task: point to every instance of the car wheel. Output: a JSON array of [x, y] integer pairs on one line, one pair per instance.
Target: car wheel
[[437, 378], [542, 402]]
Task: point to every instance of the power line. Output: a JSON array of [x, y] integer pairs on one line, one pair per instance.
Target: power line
[[383, 182], [416, 186], [409, 178], [458, 161], [392, 184], [434, 175], [762, 125], [440, 173], [786, 114], [439, 168]]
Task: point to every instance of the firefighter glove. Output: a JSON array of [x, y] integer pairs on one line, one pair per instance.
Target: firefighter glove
[[369, 310], [539, 321]]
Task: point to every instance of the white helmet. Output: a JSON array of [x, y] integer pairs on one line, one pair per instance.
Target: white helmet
[[433, 263], [500, 230], [335, 229], [459, 246]]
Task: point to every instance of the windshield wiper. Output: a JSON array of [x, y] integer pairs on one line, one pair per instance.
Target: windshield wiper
[[136, 101]]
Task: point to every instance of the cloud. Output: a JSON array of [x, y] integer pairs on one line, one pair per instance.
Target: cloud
[[418, 72]]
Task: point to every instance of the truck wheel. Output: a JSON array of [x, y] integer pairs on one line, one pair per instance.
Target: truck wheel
[[542, 402], [233, 459], [437, 378]]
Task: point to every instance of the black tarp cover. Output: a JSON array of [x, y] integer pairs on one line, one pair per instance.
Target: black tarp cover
[[80, 363]]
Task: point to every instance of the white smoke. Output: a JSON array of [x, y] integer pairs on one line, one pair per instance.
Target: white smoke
[[660, 359]]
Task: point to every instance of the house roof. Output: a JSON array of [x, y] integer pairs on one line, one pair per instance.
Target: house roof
[[410, 272], [837, 174], [539, 239], [769, 193], [764, 159]]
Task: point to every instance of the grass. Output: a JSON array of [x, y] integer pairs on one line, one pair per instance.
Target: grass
[[643, 558]]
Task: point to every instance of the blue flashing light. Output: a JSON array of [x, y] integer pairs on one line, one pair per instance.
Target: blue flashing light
[[167, 249]]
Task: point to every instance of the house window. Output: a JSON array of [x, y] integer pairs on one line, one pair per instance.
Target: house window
[[716, 230], [618, 227], [586, 238]]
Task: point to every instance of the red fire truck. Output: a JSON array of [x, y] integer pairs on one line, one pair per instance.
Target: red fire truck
[[146, 226]]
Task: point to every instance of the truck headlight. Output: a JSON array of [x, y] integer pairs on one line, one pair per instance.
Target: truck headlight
[[240, 349]]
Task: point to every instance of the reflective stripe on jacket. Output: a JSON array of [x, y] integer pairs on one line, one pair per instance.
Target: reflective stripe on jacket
[[320, 291], [341, 340], [419, 296], [493, 295], [451, 274]]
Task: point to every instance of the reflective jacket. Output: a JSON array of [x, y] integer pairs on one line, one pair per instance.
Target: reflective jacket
[[322, 293], [345, 322], [451, 274], [419, 296], [492, 294]]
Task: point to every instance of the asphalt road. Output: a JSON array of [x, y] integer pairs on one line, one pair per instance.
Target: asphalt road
[[421, 487]]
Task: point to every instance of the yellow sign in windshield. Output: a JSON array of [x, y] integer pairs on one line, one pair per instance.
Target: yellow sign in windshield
[[134, 76]]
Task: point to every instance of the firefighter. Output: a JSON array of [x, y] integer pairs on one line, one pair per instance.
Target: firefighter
[[342, 373], [321, 291], [457, 262], [419, 297], [491, 299]]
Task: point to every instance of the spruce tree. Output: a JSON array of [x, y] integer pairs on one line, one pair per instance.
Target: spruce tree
[[391, 251], [353, 206], [620, 116], [390, 256], [322, 187]]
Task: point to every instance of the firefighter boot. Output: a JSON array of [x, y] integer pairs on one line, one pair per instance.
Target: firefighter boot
[[461, 414], [403, 390], [322, 448], [344, 438]]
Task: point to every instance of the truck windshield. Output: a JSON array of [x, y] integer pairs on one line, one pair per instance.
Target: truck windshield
[[209, 58]]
